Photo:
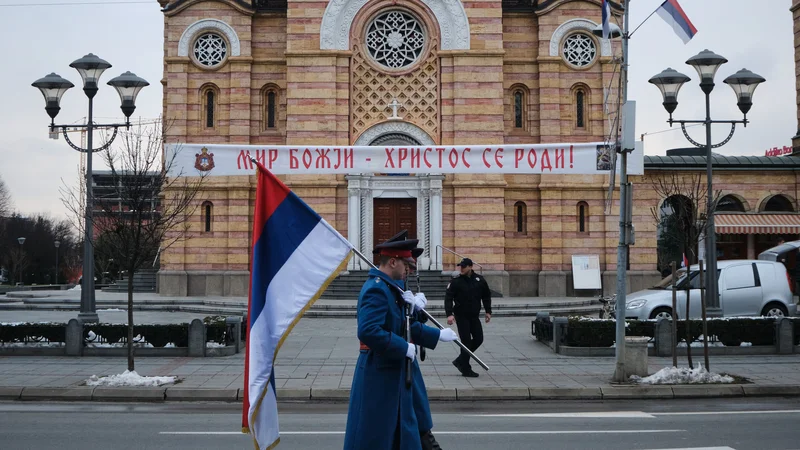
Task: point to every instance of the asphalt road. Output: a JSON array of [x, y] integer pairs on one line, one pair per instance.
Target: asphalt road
[[712, 424]]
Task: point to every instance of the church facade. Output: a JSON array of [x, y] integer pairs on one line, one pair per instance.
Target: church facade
[[416, 73]]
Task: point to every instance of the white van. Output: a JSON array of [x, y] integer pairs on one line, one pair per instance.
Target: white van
[[746, 288]]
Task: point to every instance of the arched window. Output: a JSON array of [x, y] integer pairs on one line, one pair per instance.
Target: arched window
[[778, 203], [271, 109], [729, 203], [207, 213], [210, 98], [583, 217], [519, 109], [580, 108], [521, 217]]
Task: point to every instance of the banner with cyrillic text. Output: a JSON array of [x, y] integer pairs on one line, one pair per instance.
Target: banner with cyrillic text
[[578, 159]]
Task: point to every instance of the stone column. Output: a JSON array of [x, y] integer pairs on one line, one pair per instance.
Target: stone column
[[424, 223], [354, 219], [436, 224]]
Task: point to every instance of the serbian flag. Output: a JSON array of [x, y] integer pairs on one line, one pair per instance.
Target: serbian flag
[[673, 14], [685, 262], [606, 11], [296, 254]]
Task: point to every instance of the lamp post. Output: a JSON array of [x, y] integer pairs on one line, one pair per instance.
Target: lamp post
[[744, 84], [21, 241], [57, 243], [53, 87]]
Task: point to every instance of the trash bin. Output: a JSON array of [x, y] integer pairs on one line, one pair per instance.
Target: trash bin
[[636, 355]]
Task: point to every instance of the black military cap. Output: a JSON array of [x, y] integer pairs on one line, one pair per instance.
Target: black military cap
[[466, 262], [399, 246]]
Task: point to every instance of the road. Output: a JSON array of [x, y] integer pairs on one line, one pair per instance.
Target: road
[[719, 424]]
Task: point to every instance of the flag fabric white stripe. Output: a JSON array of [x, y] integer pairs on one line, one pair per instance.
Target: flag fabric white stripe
[[664, 14], [295, 284]]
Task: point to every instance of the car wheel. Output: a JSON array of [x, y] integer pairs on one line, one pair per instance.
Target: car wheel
[[775, 310], [661, 313]]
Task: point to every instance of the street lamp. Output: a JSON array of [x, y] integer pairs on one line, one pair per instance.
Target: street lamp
[[53, 87], [21, 241], [744, 84], [57, 243]]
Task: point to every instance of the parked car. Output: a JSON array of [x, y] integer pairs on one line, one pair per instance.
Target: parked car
[[746, 288]]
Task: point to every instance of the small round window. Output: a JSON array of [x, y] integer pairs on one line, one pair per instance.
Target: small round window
[[579, 50], [210, 49], [395, 39]]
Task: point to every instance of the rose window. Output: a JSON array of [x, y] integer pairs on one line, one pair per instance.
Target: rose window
[[395, 39], [210, 49], [579, 50]]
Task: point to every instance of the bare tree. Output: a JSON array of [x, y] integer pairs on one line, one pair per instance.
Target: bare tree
[[141, 210], [18, 261], [682, 221], [5, 200]]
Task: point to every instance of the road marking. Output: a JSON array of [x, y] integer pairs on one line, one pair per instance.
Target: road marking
[[716, 413], [311, 433], [579, 415]]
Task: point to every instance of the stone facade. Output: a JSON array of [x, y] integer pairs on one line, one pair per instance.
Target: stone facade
[[478, 57]]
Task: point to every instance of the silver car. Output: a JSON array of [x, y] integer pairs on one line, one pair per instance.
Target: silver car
[[746, 288]]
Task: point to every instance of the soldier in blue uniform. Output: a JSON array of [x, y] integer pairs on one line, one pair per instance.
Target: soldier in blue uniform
[[383, 413]]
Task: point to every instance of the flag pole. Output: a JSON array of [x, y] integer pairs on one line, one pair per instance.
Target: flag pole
[[430, 317]]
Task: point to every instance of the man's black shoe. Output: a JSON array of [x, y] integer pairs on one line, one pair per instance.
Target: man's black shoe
[[468, 372], [458, 366], [429, 442]]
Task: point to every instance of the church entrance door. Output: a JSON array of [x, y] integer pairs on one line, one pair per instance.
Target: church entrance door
[[392, 215]]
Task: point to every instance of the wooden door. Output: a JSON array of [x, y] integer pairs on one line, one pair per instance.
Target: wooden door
[[392, 215]]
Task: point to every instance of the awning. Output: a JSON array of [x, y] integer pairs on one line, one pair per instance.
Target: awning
[[757, 223]]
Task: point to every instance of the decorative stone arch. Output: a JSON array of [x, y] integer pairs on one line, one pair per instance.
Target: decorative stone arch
[[762, 205], [568, 27], [450, 15], [744, 203], [396, 127], [209, 25]]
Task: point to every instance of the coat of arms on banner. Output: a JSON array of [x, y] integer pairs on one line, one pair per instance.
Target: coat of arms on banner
[[204, 161]]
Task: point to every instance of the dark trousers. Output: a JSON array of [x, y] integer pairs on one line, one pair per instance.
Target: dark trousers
[[470, 332]]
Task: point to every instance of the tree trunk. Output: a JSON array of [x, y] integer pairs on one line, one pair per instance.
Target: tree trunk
[[688, 330], [130, 320]]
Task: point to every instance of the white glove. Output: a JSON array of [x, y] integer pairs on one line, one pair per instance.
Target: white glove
[[420, 301], [409, 298], [411, 352], [447, 335]]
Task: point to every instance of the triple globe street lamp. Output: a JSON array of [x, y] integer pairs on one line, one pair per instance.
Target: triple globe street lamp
[[744, 84], [53, 87]]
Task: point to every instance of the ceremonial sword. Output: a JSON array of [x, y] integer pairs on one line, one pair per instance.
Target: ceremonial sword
[[427, 314]]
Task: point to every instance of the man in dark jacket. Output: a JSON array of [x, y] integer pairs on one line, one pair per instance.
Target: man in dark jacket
[[462, 304]]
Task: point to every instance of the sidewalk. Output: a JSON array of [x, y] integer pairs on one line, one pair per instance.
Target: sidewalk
[[317, 362]]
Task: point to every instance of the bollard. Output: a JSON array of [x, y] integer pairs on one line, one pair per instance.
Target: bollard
[[636, 356], [74, 338], [197, 338]]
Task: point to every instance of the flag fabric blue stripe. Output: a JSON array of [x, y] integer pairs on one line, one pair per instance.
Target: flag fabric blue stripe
[[286, 228], [678, 17]]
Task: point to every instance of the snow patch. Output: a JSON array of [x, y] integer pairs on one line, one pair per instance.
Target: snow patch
[[212, 344], [746, 344], [683, 375], [128, 378], [111, 309]]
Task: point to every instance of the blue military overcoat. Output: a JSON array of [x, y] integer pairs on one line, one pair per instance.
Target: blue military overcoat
[[382, 410]]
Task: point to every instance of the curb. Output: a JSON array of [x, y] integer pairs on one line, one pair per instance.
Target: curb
[[318, 395]]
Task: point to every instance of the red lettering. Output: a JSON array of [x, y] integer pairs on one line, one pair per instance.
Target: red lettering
[[453, 162], [273, 156], [518, 154], [425, 156], [402, 153], [389, 160], [486, 163], [348, 158], [498, 156], [338, 157], [244, 159], [570, 157], [307, 158], [415, 158], [559, 158], [546, 161], [293, 162], [440, 150], [464, 157], [323, 162], [532, 162]]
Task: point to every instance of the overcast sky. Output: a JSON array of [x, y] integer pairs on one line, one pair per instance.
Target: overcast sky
[[44, 39]]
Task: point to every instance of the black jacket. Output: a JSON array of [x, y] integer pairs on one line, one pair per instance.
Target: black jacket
[[467, 292]]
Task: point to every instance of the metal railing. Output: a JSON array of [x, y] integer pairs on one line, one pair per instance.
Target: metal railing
[[436, 259]]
